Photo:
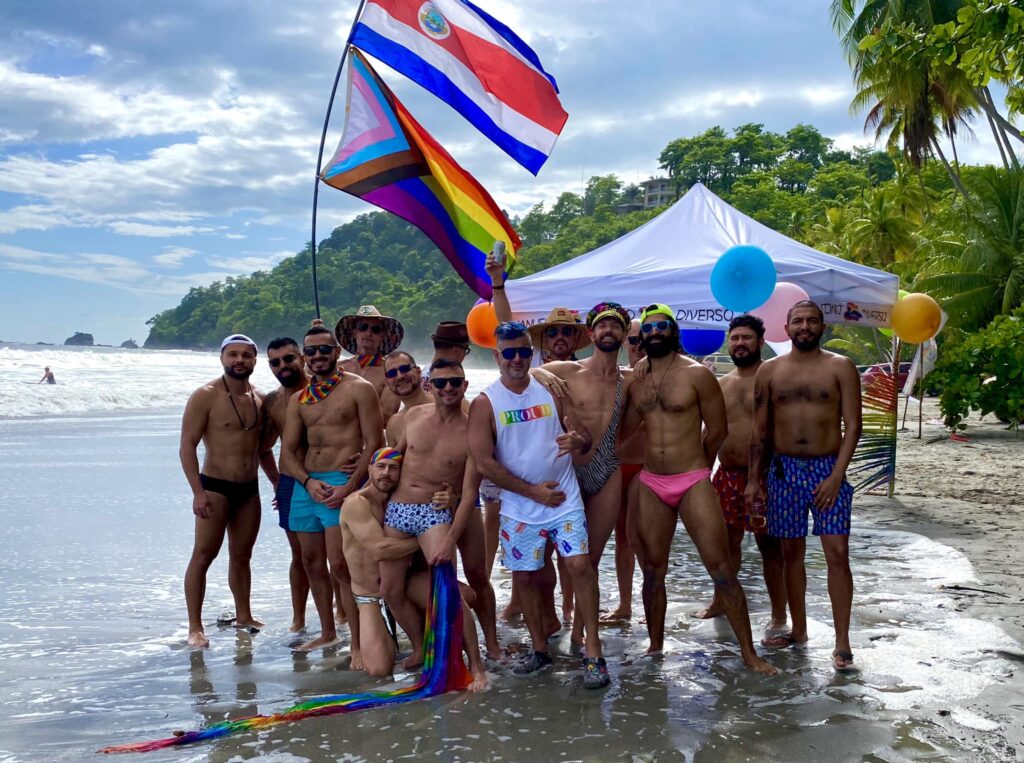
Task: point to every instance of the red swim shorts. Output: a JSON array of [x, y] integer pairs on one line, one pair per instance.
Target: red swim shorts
[[730, 486]]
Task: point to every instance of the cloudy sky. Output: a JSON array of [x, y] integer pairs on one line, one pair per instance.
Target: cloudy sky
[[146, 147]]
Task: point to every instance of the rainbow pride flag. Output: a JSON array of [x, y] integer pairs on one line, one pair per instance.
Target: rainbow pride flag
[[386, 158], [443, 671]]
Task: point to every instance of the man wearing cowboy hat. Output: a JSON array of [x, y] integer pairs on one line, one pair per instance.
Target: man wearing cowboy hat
[[560, 336], [370, 337], [451, 341]]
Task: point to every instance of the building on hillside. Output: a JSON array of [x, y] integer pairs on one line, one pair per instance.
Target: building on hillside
[[658, 192]]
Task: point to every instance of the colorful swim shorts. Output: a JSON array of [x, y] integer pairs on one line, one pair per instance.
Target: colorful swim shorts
[[522, 544], [415, 518], [311, 516], [791, 484], [283, 494], [730, 486]]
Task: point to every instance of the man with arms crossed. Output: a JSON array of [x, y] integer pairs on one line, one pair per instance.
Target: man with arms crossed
[[225, 415], [674, 400], [598, 389], [436, 459], [366, 547], [807, 421], [336, 415], [517, 441], [285, 359], [745, 340]]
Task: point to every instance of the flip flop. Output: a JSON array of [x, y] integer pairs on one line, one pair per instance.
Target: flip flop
[[845, 657], [781, 641]]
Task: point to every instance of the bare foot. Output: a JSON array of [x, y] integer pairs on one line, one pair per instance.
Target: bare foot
[[756, 665], [252, 622], [413, 661], [357, 661], [783, 640], [198, 639], [553, 627], [617, 615], [320, 642], [510, 613], [655, 651], [296, 626], [714, 610], [339, 617], [479, 682], [495, 652]]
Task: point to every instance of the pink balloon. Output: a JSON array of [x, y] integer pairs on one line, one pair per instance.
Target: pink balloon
[[773, 312]]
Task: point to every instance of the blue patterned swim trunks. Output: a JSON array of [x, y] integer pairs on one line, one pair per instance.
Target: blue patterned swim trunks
[[415, 518], [791, 484], [522, 544]]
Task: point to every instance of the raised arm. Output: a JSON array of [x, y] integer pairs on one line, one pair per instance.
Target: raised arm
[[712, 410], [496, 271], [849, 391], [370, 535], [760, 435], [193, 424]]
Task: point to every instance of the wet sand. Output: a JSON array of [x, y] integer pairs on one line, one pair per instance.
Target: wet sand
[[92, 632]]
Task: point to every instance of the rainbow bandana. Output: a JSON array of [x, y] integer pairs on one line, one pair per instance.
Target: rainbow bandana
[[317, 391], [608, 310], [390, 454], [370, 360], [443, 671]]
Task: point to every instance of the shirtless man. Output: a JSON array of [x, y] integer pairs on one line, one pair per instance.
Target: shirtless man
[[436, 451], [47, 376], [402, 376], [338, 415], [631, 461], [598, 388], [367, 547], [807, 414], [371, 337], [517, 441], [745, 341], [674, 400], [225, 415], [285, 359]]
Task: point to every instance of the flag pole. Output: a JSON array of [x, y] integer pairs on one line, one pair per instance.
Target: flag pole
[[320, 154]]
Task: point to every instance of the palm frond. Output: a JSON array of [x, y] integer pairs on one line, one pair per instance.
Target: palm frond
[[874, 461]]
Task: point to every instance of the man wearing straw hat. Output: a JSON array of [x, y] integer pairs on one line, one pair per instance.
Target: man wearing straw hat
[[370, 336]]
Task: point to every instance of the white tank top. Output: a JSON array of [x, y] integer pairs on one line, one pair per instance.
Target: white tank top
[[527, 425]]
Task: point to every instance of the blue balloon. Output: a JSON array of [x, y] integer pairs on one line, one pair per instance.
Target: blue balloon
[[743, 278], [701, 341]]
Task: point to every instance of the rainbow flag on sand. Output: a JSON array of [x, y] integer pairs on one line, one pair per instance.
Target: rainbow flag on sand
[[386, 158], [443, 671]]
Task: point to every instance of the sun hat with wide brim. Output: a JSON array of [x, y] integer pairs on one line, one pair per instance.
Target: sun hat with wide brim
[[560, 316], [345, 331]]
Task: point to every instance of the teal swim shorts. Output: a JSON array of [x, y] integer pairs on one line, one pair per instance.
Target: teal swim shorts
[[310, 516]]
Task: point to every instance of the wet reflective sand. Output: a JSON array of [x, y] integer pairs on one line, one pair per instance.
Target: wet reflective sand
[[97, 531]]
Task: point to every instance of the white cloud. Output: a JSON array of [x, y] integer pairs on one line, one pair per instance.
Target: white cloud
[[156, 231], [247, 263], [173, 256]]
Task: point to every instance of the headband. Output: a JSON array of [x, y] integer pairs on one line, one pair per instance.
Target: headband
[[390, 454]]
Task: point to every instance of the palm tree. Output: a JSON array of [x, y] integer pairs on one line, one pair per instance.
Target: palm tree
[[881, 236], [985, 278]]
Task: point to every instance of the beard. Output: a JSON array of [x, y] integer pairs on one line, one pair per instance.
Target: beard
[[288, 378], [239, 375], [661, 346], [745, 361], [806, 345], [608, 344]]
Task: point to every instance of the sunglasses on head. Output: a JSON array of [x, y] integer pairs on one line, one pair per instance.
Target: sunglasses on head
[[323, 349], [376, 328], [455, 381], [286, 359], [647, 328], [510, 353], [566, 331], [633, 340], [391, 373]]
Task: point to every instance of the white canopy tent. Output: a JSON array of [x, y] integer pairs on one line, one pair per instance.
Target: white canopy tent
[[670, 259]]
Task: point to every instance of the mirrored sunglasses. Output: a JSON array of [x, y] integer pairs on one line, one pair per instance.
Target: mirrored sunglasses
[[647, 328]]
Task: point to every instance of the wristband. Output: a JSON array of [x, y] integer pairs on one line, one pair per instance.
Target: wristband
[[498, 288], [308, 478]]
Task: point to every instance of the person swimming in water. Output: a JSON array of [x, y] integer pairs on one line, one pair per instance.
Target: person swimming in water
[[47, 376]]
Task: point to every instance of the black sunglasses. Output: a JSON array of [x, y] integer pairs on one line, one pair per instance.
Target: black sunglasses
[[633, 340], [287, 359], [376, 328], [391, 373], [553, 331], [647, 328], [456, 382], [510, 353], [323, 349]]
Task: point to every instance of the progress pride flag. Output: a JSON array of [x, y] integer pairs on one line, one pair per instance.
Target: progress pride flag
[[475, 64]]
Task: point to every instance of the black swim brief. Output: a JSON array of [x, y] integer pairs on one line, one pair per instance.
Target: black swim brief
[[237, 493]]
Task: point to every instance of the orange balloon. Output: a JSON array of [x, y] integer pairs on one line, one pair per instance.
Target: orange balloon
[[481, 323], [916, 318]]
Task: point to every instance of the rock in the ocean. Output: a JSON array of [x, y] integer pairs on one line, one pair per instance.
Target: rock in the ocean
[[80, 339], [129, 344]]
